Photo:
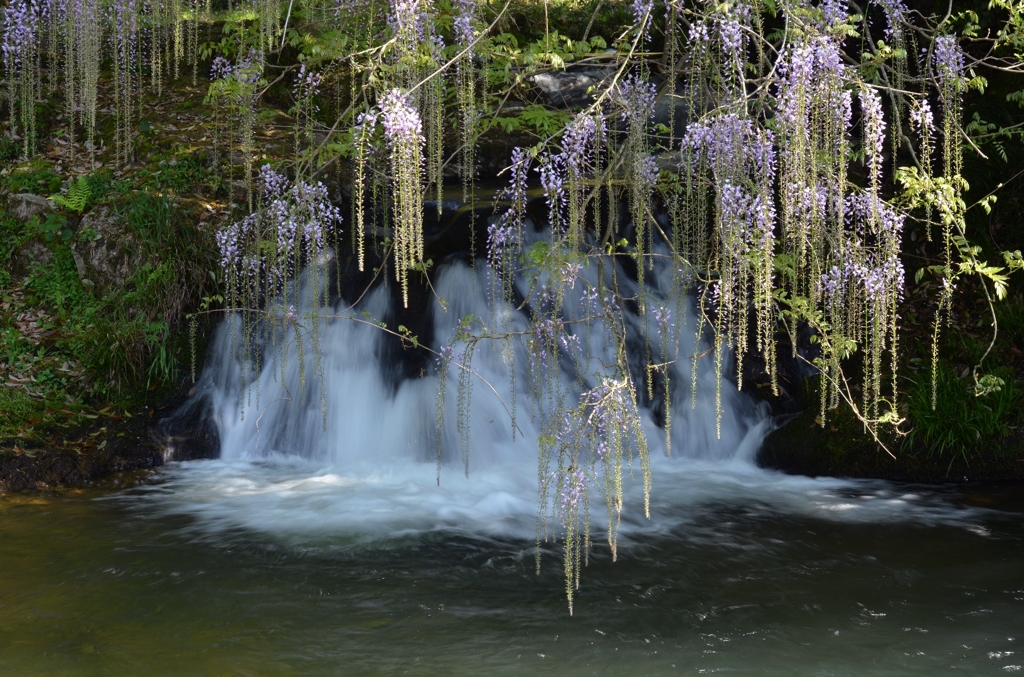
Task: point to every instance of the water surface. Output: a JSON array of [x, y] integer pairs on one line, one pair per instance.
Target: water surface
[[740, 571]]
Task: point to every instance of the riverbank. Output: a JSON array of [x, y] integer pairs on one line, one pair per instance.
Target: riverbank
[[801, 446], [89, 447]]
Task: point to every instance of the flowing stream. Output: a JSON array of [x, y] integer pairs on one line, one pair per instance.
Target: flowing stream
[[324, 541]]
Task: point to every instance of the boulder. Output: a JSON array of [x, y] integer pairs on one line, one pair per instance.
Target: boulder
[[30, 253], [23, 206], [573, 87], [105, 252]]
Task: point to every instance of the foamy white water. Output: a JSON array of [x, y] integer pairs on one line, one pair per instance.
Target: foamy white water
[[368, 471]]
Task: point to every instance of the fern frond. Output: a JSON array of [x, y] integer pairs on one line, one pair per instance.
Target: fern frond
[[77, 197]]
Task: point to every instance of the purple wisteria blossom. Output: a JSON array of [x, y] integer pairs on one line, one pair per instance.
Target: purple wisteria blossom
[[642, 16], [552, 180], [922, 118], [698, 35], [876, 268], [731, 20], [408, 22], [572, 491], [221, 68], [874, 133], [501, 242], [832, 12], [895, 16], [948, 61], [20, 46], [294, 217], [663, 318], [515, 216], [21, 34], [748, 222], [874, 122], [649, 171], [637, 98], [403, 131], [505, 234], [731, 144], [307, 83], [403, 127], [813, 74], [465, 15], [578, 143]]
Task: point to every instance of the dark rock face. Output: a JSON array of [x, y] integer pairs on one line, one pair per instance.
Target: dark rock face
[[189, 433], [802, 446]]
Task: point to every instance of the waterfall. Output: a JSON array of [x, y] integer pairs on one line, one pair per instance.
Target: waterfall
[[360, 437]]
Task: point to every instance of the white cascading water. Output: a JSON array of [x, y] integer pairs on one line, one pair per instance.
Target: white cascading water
[[371, 474]]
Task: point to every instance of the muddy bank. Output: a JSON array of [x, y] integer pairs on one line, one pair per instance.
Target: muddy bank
[[106, 444]]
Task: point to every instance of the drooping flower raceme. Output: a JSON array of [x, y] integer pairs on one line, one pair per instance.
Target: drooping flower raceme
[[20, 47], [739, 164], [642, 17], [589, 450], [552, 180], [465, 16], [505, 234], [874, 134], [403, 131], [731, 20], [408, 23], [466, 85], [580, 157], [124, 39], [948, 61], [305, 90], [637, 97]]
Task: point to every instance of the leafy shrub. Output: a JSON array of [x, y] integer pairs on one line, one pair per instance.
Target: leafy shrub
[[962, 424], [35, 177], [184, 175]]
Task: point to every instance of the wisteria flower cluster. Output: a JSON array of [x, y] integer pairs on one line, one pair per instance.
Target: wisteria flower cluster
[[264, 251], [731, 145], [408, 20], [20, 47], [465, 16], [637, 97], [403, 131], [874, 133], [642, 17], [922, 118], [591, 445], [21, 33], [124, 39], [307, 83], [895, 17], [552, 179], [731, 20], [813, 77], [948, 61]]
